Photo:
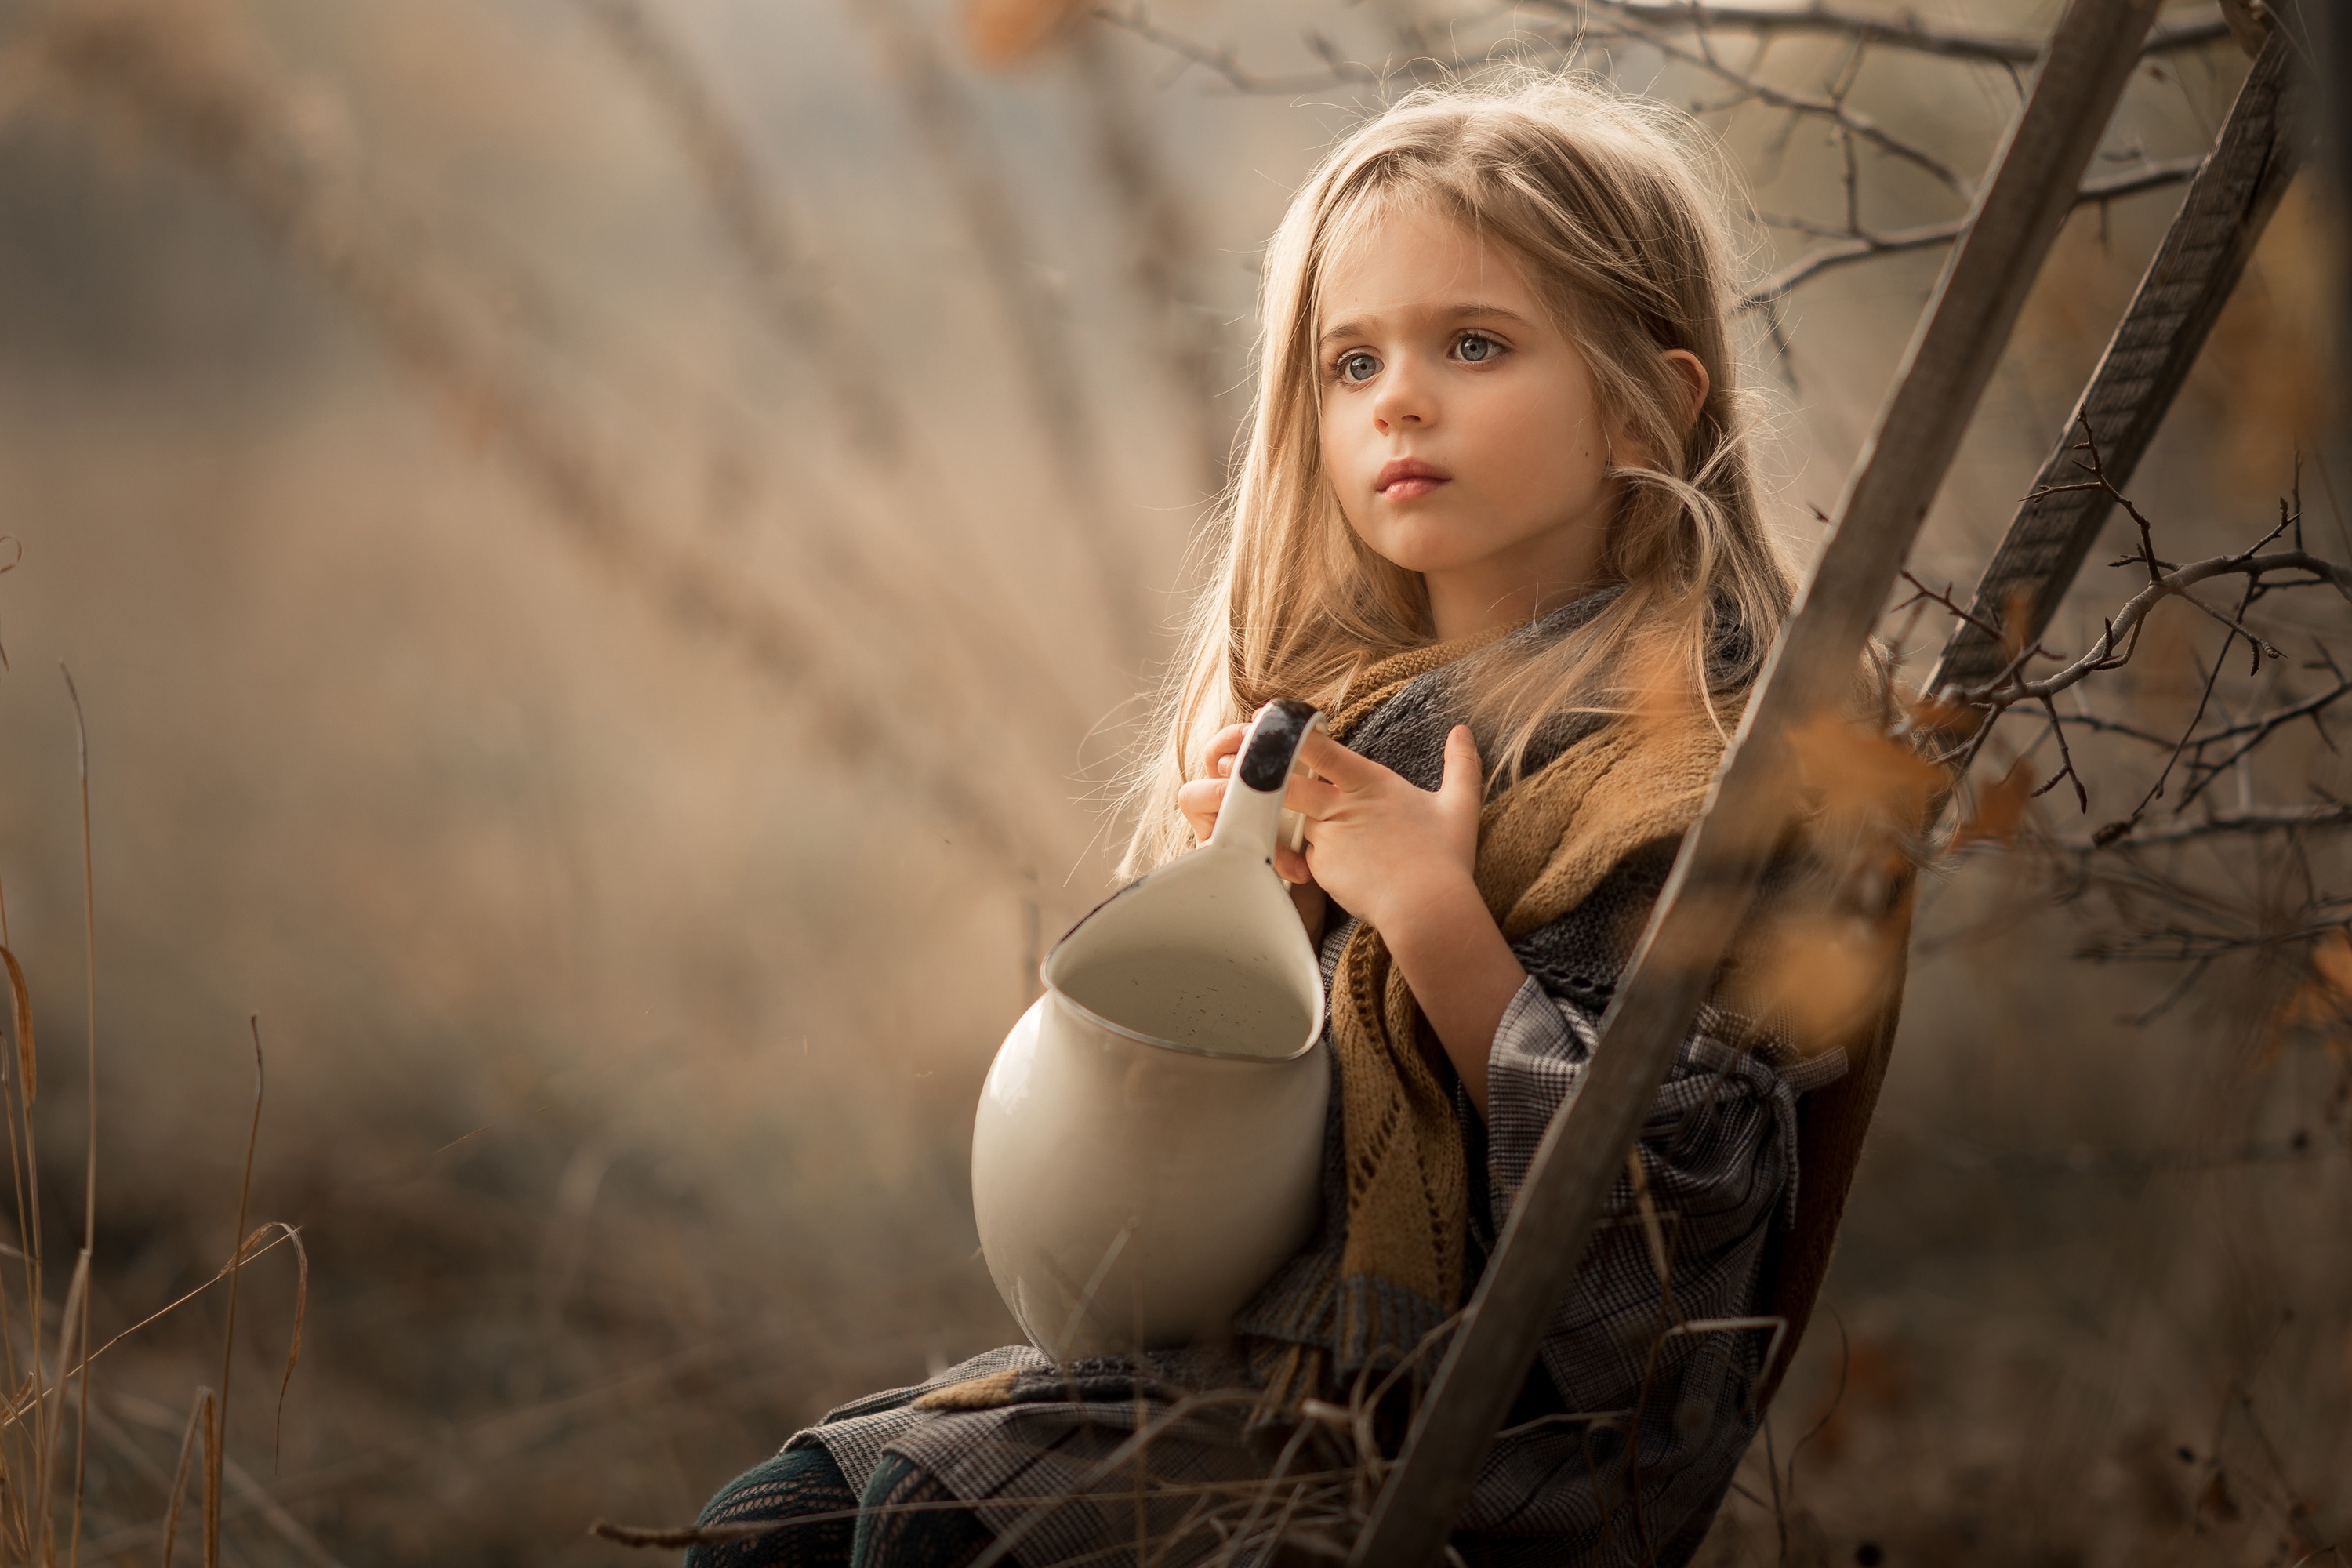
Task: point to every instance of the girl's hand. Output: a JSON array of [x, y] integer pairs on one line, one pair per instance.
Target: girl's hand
[[1386, 848], [1200, 799], [1405, 860]]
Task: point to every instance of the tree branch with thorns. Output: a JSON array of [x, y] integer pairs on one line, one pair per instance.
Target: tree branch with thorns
[[2169, 910]]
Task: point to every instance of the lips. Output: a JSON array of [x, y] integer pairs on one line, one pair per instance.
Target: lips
[[1402, 479]]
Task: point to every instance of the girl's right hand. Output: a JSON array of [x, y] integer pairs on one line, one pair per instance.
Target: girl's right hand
[[1201, 798]]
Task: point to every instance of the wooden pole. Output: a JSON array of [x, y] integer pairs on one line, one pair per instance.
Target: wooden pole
[[2191, 277], [1811, 668]]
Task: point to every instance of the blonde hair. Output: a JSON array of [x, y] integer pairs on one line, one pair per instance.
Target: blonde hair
[[1601, 198]]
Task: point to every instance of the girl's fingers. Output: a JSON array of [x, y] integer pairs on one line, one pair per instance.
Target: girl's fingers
[[1290, 865], [1316, 798], [1199, 802], [1463, 782], [1336, 763], [1225, 742]]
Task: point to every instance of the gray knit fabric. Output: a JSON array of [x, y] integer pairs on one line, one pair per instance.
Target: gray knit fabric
[[1627, 1436]]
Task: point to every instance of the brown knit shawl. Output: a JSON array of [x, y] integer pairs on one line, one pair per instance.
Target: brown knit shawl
[[1544, 844]]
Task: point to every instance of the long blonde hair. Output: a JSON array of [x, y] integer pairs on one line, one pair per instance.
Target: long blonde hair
[[1601, 199]]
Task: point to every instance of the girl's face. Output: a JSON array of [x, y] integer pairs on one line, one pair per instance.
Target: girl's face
[[1460, 428]]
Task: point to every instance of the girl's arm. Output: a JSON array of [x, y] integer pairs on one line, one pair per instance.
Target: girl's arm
[[1462, 973]]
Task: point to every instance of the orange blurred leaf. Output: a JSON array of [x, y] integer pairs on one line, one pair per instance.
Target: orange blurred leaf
[[1820, 980], [2001, 806], [2016, 613], [2326, 993], [1000, 32], [1849, 767], [1935, 714]]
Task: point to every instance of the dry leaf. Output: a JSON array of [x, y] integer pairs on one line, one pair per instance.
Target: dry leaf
[[1934, 715], [1000, 32], [2016, 619], [2001, 806], [1847, 767], [2327, 989], [1822, 980]]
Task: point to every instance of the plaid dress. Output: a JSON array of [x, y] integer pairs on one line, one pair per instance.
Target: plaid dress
[[1625, 1437]]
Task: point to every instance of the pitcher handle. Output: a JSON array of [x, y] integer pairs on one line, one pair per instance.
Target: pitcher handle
[[1252, 819]]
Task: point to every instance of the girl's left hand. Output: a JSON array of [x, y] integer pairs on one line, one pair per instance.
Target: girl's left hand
[[1384, 849]]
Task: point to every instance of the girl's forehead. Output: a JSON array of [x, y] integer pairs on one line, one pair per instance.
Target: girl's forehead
[[1403, 253]]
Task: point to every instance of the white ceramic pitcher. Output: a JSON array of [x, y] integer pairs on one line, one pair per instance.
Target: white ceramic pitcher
[[1149, 1142]]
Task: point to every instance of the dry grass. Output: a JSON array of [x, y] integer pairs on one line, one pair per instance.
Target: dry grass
[[48, 1352]]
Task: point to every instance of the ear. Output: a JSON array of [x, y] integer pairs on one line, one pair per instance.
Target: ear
[[1692, 371]]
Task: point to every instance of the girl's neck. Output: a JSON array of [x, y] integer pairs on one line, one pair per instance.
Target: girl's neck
[[1460, 608]]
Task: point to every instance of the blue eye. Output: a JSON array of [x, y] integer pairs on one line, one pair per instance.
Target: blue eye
[[1357, 367], [1474, 348]]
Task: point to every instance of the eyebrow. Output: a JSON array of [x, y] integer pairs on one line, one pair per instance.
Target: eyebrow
[[1453, 312]]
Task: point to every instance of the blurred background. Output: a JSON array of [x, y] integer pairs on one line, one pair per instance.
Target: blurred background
[[612, 552]]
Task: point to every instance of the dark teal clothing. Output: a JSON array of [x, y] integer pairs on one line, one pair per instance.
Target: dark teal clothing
[[805, 1484]]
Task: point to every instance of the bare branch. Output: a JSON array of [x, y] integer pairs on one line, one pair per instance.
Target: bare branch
[[1905, 32], [1853, 247], [2171, 585], [1223, 63], [2234, 825], [1647, 19], [1852, 122]]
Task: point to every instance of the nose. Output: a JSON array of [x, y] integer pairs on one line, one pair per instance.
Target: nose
[[1404, 401]]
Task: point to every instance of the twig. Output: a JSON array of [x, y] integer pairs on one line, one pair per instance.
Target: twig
[[216, 1450], [17, 555], [89, 1164], [1904, 33], [1854, 248], [1852, 122], [2238, 824]]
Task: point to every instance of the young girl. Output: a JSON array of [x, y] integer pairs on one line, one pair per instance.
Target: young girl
[[1498, 519]]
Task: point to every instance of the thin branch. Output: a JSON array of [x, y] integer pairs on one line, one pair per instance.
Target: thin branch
[[1853, 247], [1577, 20], [2236, 824], [1852, 122], [1905, 32]]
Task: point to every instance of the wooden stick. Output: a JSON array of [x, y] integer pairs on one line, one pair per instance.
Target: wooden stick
[[1811, 667], [2181, 296]]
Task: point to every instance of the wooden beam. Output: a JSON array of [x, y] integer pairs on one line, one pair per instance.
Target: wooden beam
[[2194, 270], [1811, 668]]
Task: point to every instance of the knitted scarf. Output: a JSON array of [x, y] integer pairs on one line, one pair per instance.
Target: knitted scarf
[[1544, 844]]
